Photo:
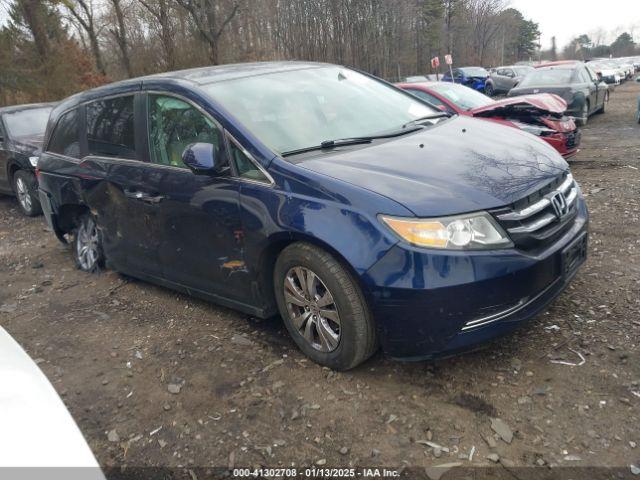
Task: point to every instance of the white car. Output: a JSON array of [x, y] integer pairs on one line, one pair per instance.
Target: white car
[[36, 429]]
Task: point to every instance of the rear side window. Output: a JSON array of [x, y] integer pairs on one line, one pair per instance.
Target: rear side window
[[111, 128], [65, 139]]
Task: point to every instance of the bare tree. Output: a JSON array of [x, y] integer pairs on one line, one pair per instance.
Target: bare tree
[[205, 14], [83, 12], [119, 33]]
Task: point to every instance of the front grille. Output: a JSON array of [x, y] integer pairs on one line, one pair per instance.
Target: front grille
[[534, 222]]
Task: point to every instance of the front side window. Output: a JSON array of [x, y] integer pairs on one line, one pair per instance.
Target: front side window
[[65, 139], [174, 125], [427, 97], [303, 108], [111, 128], [27, 123]]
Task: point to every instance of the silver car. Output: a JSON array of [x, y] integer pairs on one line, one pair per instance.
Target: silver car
[[503, 79]]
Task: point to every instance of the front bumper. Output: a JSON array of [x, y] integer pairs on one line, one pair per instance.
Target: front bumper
[[566, 143], [431, 303]]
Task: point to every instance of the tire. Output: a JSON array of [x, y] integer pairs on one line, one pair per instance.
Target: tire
[[25, 187], [87, 244], [585, 115], [339, 335], [489, 90]]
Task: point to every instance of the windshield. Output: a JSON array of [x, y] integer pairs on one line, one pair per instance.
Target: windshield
[[463, 97], [27, 123], [475, 72], [550, 76], [300, 109]]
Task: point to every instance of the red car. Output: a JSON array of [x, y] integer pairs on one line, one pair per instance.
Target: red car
[[541, 114]]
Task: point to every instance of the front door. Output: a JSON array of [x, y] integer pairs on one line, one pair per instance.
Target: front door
[[4, 159], [202, 238]]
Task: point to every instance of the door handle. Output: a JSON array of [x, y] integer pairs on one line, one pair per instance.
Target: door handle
[[143, 196]]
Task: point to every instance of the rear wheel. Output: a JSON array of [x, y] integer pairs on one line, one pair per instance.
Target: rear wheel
[[323, 308], [25, 186], [87, 244]]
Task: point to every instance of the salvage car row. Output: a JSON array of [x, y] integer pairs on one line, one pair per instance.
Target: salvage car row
[[283, 188]]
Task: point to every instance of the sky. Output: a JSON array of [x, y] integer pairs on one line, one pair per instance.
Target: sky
[[567, 19]]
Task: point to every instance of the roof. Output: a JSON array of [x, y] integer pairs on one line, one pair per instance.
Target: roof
[[560, 63], [193, 76], [221, 73], [26, 106]]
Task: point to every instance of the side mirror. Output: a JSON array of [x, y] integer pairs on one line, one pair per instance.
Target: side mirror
[[201, 158]]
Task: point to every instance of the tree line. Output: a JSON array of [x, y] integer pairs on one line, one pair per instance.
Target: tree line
[[52, 48]]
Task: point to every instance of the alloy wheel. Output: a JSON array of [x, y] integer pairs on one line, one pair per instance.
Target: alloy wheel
[[24, 197], [87, 244], [312, 309]]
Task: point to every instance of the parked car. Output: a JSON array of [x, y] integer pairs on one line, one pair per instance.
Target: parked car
[[472, 77], [21, 133], [503, 79], [575, 82], [423, 78], [37, 430], [541, 115], [283, 188], [606, 72], [638, 114]]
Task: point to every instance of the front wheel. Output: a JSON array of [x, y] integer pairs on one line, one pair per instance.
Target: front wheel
[[489, 90], [87, 244], [584, 119], [323, 307], [26, 187]]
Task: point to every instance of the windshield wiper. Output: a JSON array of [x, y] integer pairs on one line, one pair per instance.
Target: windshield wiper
[[342, 142], [427, 117]]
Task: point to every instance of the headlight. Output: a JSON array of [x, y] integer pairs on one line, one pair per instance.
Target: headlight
[[475, 231], [33, 161], [534, 129]]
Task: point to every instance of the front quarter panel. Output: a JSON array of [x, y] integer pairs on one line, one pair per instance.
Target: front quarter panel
[[308, 206]]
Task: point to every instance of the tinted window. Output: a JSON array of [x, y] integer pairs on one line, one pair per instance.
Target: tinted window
[[27, 123], [244, 166], [548, 76], [65, 139], [110, 128], [173, 126]]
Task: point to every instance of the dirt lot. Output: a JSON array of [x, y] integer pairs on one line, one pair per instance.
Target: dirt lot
[[114, 348]]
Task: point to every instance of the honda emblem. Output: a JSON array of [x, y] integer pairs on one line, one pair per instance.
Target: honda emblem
[[559, 204]]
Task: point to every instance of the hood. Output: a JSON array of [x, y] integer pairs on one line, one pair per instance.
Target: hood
[[460, 165], [544, 102], [29, 144]]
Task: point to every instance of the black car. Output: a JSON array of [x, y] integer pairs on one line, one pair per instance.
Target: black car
[[576, 82], [21, 133]]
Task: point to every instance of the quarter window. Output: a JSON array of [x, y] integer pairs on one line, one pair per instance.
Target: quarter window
[[245, 168], [111, 128], [174, 125], [65, 139]]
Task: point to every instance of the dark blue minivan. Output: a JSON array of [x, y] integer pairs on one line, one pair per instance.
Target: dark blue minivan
[[360, 214]]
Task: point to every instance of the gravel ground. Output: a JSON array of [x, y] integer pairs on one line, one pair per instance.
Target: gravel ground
[[155, 378]]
